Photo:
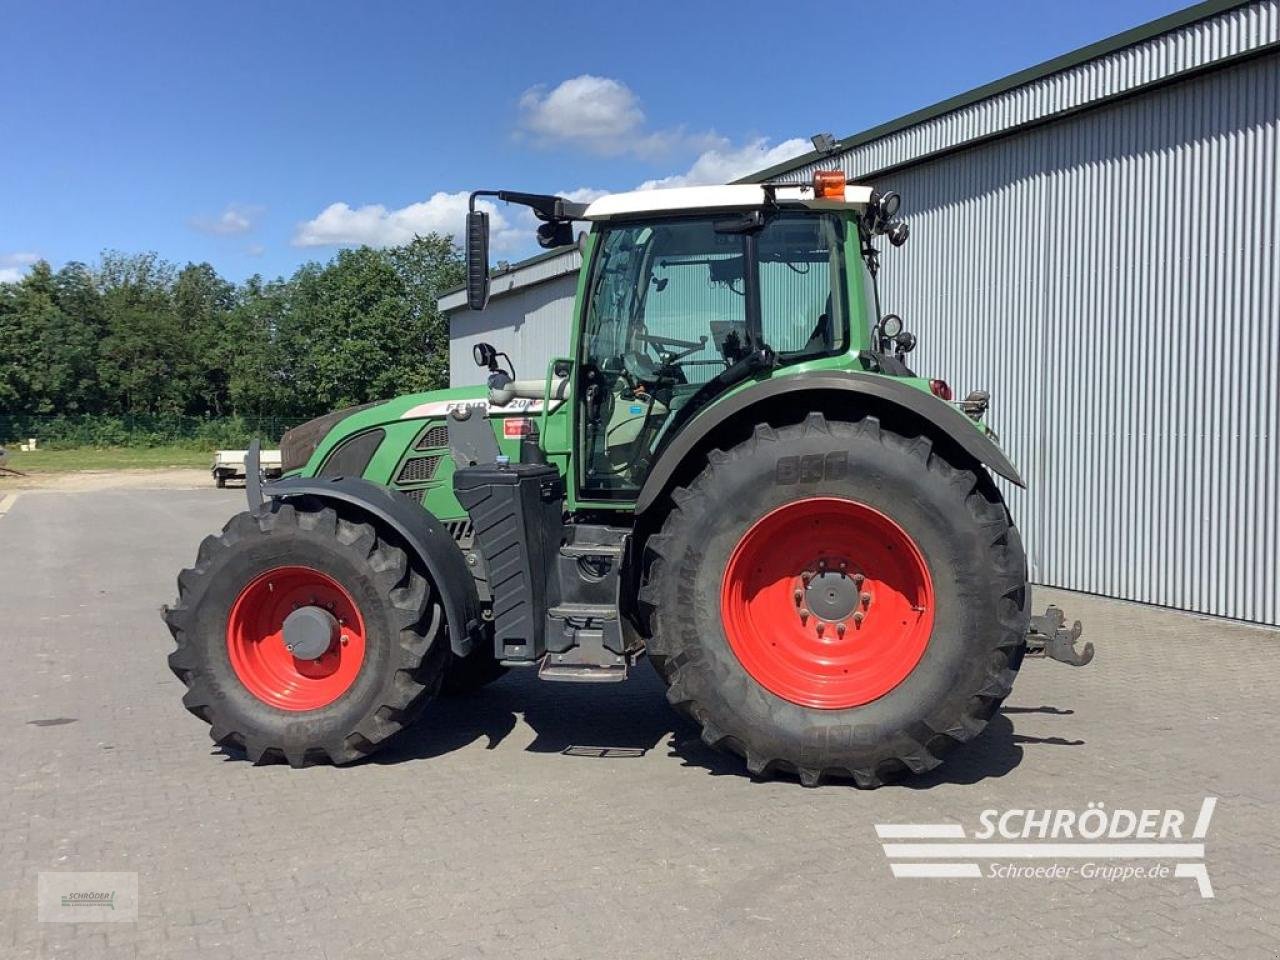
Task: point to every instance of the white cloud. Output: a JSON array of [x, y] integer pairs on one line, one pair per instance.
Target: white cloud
[[724, 162], [582, 194], [598, 113], [255, 250], [236, 218], [13, 266], [340, 224]]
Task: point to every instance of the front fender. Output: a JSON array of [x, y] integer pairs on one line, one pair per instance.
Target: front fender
[[944, 417], [422, 533]]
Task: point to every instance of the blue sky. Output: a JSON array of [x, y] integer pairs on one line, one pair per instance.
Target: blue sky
[[260, 135]]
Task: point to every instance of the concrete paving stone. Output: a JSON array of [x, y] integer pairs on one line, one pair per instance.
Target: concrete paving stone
[[476, 835]]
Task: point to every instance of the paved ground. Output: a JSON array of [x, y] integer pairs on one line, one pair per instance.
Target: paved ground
[[479, 835]]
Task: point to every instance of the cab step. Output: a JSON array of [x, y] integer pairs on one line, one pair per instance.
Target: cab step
[[563, 668], [612, 551], [582, 612]]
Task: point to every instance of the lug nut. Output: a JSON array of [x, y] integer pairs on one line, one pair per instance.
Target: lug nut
[[799, 595], [806, 577], [840, 628], [821, 628], [866, 599], [857, 580], [857, 616], [804, 614], [345, 639]]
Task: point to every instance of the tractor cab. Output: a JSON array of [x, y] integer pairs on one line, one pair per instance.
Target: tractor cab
[[689, 293]]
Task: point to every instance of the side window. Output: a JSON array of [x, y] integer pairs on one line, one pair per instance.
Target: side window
[[802, 290], [613, 298], [695, 295]]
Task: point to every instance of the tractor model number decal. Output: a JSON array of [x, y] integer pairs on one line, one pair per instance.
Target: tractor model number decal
[[440, 408], [812, 467]]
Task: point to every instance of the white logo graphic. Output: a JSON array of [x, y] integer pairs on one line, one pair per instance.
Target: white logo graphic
[[1090, 841]]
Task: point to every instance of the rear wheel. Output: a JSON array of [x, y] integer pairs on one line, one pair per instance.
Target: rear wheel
[[303, 636], [834, 599]]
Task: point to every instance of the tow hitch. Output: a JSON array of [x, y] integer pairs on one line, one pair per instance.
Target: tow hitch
[[1048, 636]]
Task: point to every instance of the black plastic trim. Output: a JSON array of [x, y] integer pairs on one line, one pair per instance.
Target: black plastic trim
[[350, 457], [945, 417], [424, 534]]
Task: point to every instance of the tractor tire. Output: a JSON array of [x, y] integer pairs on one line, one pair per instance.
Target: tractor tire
[[387, 644], [837, 601], [464, 675]]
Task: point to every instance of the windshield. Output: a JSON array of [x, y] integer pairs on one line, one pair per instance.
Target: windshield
[[671, 308]]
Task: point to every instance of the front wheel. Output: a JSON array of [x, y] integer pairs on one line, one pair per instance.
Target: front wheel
[[303, 636], [835, 599]]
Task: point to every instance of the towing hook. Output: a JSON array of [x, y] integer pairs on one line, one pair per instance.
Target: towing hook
[[1049, 637]]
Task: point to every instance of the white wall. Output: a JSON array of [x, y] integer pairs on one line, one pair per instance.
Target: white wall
[[532, 325]]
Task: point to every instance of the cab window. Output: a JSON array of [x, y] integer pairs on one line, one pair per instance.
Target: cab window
[[668, 312]]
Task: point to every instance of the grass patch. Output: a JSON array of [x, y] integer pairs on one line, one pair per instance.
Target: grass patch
[[108, 458]]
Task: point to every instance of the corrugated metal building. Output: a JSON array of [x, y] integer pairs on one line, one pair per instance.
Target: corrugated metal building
[[1097, 241]]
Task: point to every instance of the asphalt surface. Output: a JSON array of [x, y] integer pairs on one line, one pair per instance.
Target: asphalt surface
[[562, 820]]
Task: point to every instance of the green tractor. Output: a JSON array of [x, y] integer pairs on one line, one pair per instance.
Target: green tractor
[[733, 471]]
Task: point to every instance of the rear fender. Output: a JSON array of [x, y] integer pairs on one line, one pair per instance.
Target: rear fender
[[424, 535], [943, 417]]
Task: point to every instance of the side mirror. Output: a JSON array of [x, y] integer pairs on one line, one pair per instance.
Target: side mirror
[[477, 260], [485, 355], [555, 233]]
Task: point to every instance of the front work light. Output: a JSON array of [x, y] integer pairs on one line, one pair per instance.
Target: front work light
[[828, 185]]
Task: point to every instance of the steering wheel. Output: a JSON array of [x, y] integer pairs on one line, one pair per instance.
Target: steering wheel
[[639, 367]]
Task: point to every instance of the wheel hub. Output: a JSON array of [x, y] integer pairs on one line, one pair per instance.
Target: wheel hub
[[309, 632], [833, 595]]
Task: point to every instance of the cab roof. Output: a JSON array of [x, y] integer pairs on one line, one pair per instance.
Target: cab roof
[[731, 196]]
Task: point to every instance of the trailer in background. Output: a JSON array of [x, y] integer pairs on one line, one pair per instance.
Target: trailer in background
[[229, 465]]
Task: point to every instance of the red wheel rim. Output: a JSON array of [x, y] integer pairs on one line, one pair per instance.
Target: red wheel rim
[[827, 603], [255, 639]]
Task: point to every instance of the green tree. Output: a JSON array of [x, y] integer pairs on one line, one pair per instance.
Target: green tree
[[427, 266], [257, 368], [135, 335], [202, 302], [365, 326], [148, 364], [46, 355]]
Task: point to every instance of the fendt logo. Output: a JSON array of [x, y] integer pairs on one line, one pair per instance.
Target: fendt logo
[[1094, 844]]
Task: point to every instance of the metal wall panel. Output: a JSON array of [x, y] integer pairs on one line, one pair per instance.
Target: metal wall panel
[[1114, 279], [532, 325], [1160, 59]]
